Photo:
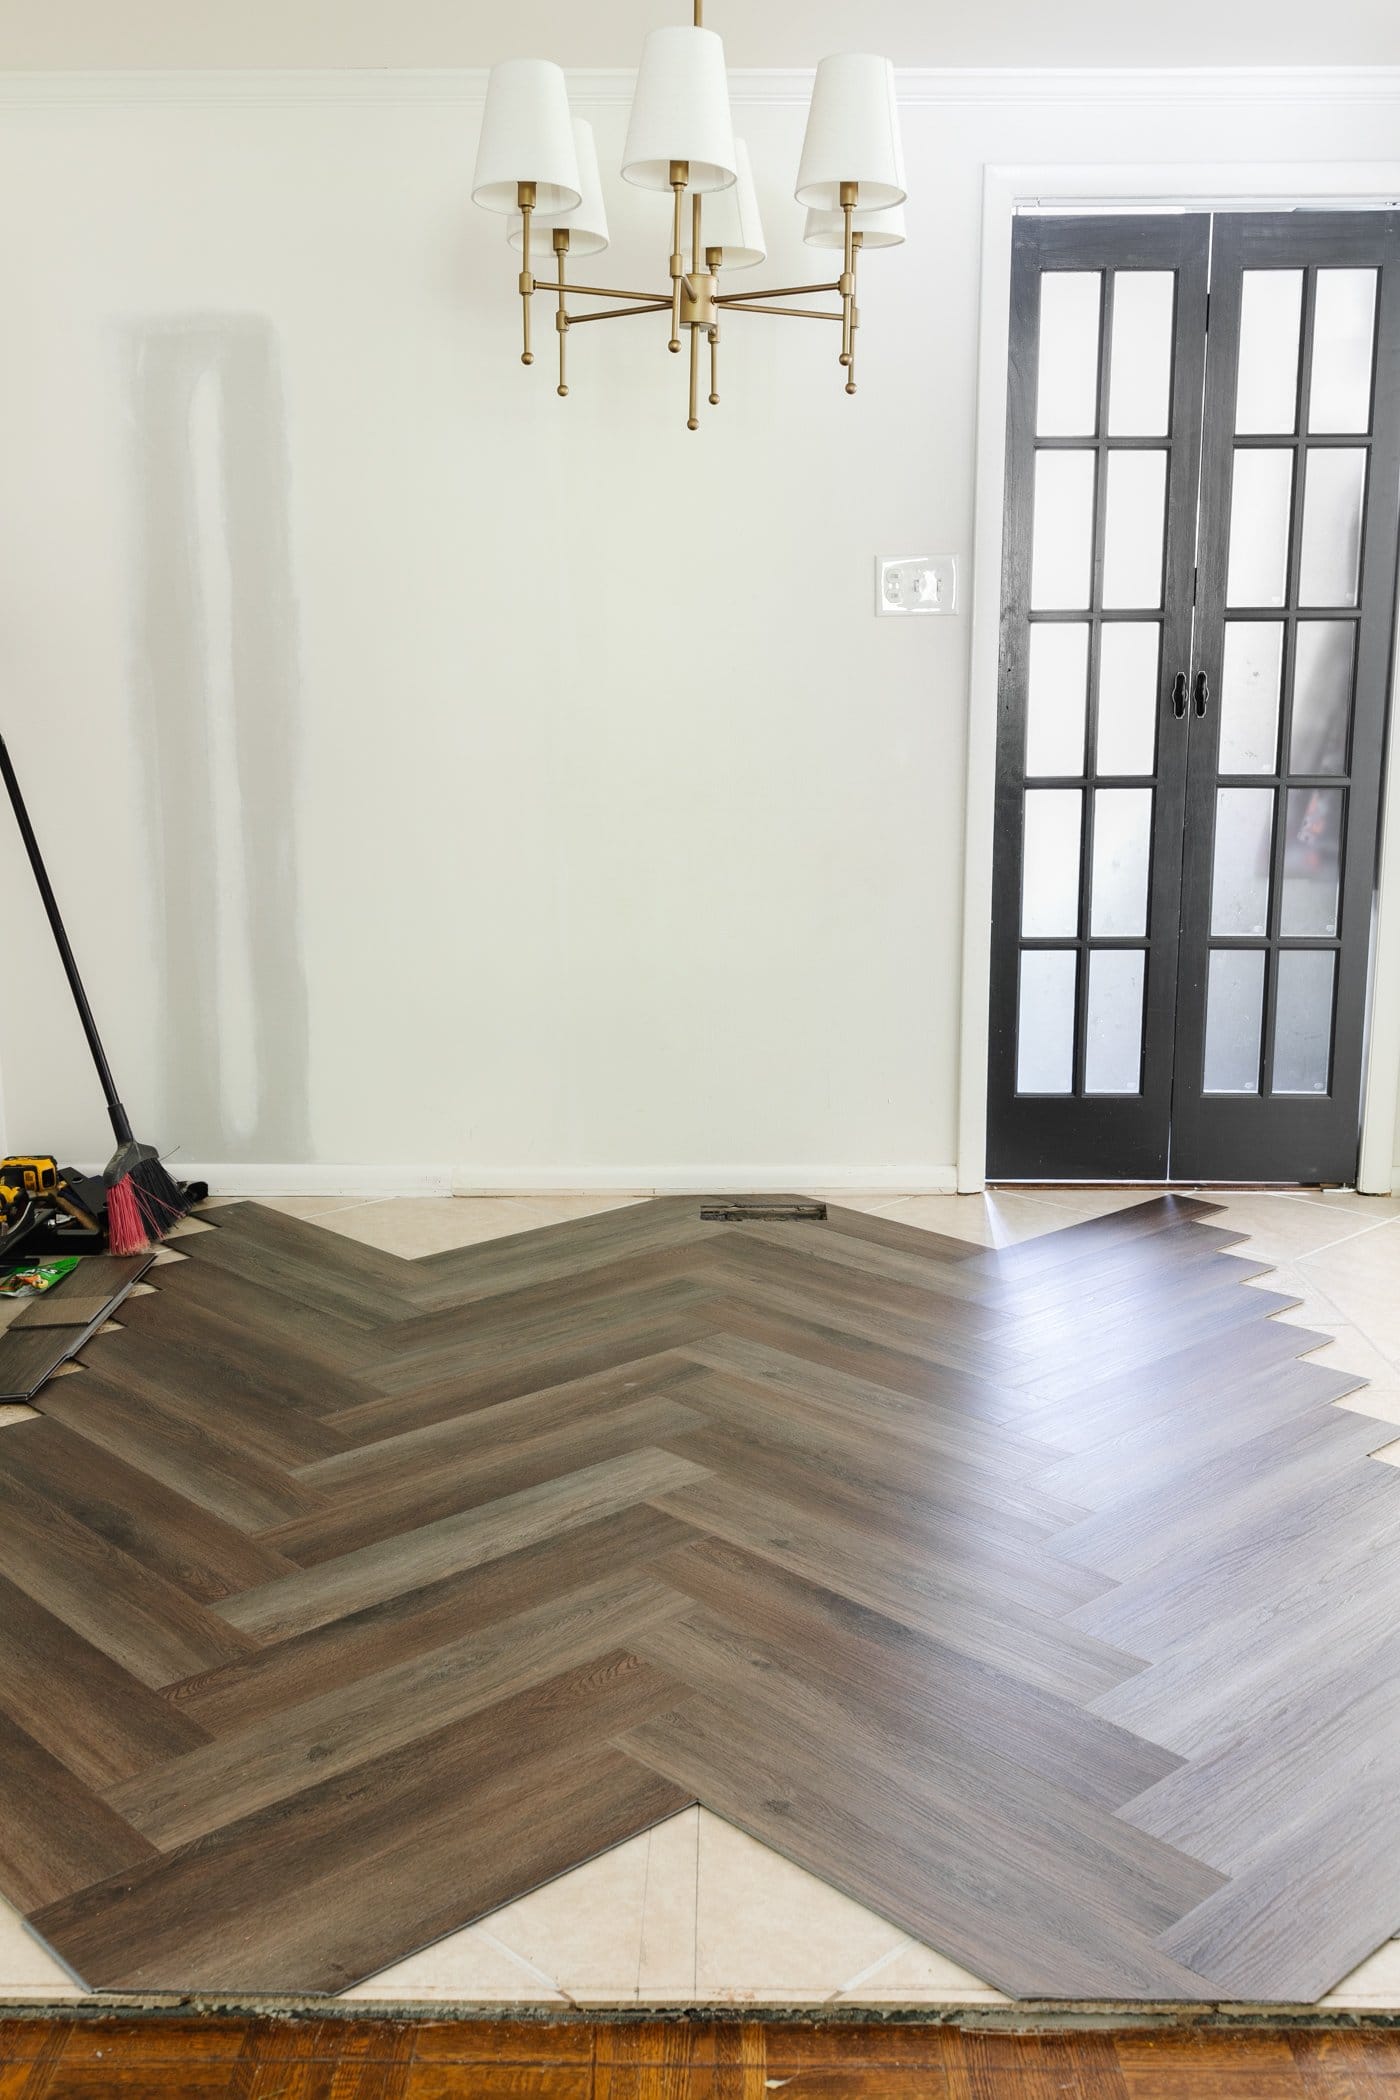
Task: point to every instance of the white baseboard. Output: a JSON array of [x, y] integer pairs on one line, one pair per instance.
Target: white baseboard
[[237, 1178]]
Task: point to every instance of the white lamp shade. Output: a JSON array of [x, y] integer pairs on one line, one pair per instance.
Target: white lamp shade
[[526, 136], [586, 225], [877, 229], [852, 135], [730, 219], [681, 112]]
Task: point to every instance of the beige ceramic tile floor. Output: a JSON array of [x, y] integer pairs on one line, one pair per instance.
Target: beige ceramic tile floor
[[695, 1912]]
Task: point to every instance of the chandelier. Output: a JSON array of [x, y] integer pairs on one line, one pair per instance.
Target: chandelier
[[540, 165]]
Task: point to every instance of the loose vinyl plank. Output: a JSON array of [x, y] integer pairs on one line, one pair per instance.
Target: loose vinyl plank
[[1039, 1598]]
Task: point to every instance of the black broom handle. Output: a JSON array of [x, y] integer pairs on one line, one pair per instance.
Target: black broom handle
[[120, 1127]]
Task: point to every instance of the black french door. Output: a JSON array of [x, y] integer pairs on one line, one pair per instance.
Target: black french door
[[1203, 490]]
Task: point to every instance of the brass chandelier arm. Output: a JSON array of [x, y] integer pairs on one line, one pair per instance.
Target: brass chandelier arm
[[776, 291], [619, 313], [606, 291], [794, 313]]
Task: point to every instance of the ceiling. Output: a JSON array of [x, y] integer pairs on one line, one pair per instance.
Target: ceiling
[[257, 33]]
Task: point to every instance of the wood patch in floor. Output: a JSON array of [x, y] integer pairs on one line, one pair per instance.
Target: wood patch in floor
[[1040, 1600]]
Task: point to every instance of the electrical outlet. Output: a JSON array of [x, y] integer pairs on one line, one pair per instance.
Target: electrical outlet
[[916, 583]]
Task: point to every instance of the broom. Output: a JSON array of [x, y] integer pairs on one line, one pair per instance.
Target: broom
[[143, 1202]]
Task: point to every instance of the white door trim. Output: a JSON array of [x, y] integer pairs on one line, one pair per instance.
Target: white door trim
[[1200, 187]]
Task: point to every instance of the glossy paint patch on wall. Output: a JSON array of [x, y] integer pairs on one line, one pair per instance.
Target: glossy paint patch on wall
[[219, 698]]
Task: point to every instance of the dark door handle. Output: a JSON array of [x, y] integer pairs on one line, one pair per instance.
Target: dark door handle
[[1202, 692], [1179, 695]]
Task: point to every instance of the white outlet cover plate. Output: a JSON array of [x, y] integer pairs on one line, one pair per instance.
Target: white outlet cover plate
[[914, 584]]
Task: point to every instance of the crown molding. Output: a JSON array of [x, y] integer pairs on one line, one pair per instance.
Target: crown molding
[[928, 86]]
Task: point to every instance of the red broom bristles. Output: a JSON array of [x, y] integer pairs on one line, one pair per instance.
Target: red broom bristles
[[126, 1226]]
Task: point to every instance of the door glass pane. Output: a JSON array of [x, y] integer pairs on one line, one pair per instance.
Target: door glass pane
[[1064, 522], [1128, 651], [1050, 862], [1271, 305], [1259, 508], [1322, 662], [1045, 1025], [1303, 1021], [1249, 693], [1113, 1022], [1312, 858], [1122, 842], [1057, 689], [1234, 1013], [1332, 499], [1140, 368], [1244, 829], [1132, 551], [1343, 341], [1067, 403]]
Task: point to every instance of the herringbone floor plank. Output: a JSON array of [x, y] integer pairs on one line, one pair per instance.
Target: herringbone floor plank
[[1018, 1594]]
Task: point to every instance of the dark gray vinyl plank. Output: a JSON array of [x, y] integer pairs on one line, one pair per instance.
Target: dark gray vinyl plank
[[936, 1428], [1008, 1921], [1299, 1760], [259, 1686], [219, 1783], [1309, 1908], [1308, 1533], [832, 1486], [913, 1683], [151, 1629], [1027, 1645], [217, 1376], [417, 1558], [1140, 1882], [362, 1870], [387, 1508], [150, 1431], [88, 1713], [75, 1841], [156, 1526]]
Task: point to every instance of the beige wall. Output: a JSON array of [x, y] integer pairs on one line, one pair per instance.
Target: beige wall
[[757, 32], [441, 775]]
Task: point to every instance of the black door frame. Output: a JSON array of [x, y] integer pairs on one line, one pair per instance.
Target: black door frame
[[1063, 1137], [1320, 1134], [1060, 1137]]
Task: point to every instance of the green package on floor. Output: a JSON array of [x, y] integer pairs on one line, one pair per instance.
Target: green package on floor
[[28, 1279]]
